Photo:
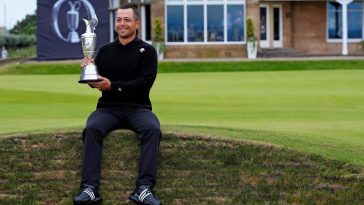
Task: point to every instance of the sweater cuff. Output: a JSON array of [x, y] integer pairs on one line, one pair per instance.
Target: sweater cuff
[[117, 86]]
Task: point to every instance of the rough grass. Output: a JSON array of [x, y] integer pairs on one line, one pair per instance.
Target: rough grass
[[44, 169]]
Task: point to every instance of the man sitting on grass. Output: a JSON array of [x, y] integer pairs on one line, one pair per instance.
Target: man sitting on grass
[[128, 68]]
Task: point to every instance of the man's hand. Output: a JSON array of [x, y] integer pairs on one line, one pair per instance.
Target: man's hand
[[102, 85], [85, 61]]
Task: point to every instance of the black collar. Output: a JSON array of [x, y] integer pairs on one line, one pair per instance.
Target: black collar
[[128, 44]]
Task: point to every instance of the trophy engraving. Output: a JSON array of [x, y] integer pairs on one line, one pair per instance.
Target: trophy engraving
[[89, 72]]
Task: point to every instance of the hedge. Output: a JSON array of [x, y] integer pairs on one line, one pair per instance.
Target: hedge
[[17, 41]]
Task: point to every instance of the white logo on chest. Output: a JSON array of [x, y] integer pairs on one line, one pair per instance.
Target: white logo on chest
[[142, 50]]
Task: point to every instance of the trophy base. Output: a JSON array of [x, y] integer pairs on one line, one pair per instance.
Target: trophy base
[[89, 74], [88, 81]]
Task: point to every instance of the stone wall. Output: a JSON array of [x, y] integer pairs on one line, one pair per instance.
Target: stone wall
[[309, 30]]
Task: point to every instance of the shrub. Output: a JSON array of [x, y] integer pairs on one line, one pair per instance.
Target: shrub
[[17, 41], [250, 30], [158, 31], [2, 40]]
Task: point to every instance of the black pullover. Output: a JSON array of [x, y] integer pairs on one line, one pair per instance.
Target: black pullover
[[132, 69]]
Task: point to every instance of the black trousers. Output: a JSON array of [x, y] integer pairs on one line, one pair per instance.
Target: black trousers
[[104, 120]]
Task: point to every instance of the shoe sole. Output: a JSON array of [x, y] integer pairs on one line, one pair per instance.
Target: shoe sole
[[96, 201], [136, 200]]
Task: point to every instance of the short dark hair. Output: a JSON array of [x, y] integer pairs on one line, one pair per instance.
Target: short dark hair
[[134, 7]]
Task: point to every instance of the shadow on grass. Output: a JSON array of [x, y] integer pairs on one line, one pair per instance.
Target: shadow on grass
[[45, 169]]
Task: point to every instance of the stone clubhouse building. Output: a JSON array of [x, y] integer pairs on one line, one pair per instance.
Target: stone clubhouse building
[[218, 28]]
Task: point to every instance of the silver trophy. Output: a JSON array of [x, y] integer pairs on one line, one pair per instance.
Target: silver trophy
[[89, 72]]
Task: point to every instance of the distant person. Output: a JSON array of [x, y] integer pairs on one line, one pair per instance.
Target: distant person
[[127, 68], [4, 53]]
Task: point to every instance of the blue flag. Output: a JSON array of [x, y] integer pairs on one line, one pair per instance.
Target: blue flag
[[60, 25]]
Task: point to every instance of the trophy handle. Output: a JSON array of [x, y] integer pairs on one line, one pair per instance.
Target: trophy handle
[[93, 23]]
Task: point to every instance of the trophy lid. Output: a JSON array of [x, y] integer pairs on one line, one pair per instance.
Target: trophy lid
[[91, 24]]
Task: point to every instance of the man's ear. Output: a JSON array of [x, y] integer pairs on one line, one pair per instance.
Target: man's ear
[[137, 24]]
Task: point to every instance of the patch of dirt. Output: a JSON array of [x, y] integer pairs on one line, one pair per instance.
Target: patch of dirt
[[54, 174], [8, 196], [329, 187]]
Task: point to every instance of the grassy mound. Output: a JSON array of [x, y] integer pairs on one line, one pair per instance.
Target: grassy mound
[[44, 169]]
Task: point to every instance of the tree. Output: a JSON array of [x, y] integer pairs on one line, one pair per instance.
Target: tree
[[158, 31], [21, 35], [251, 40], [250, 30], [25, 26], [158, 40]]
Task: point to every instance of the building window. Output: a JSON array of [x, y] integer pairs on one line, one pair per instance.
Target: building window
[[355, 20], [195, 23], [175, 25], [235, 23], [215, 23], [205, 21]]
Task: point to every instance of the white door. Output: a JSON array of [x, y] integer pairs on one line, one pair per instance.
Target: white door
[[271, 28]]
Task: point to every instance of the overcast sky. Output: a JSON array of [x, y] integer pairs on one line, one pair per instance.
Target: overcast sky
[[12, 11]]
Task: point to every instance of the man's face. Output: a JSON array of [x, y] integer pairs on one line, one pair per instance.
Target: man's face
[[125, 23]]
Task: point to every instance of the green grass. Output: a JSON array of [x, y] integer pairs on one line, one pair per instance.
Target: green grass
[[43, 103], [28, 52], [173, 67], [45, 169], [313, 113], [318, 112]]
